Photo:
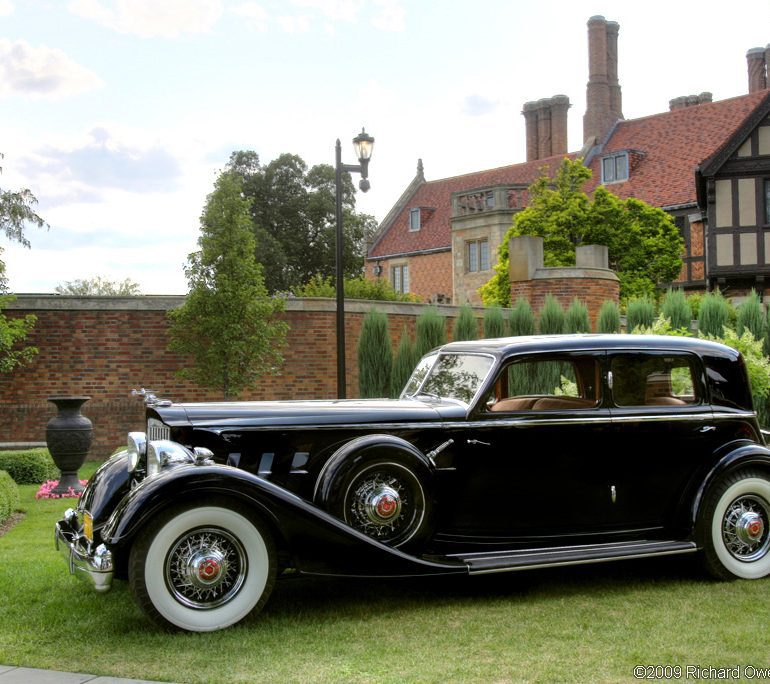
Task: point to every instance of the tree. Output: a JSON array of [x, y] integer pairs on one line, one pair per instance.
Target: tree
[[643, 243], [375, 356], [609, 318], [465, 326], [494, 322], [429, 331], [576, 318], [294, 220], [228, 324], [17, 210], [99, 287], [403, 364]]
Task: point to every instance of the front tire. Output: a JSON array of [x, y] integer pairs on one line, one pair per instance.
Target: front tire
[[734, 527], [202, 568]]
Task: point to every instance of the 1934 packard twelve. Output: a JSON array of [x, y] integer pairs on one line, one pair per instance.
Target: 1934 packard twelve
[[500, 455]]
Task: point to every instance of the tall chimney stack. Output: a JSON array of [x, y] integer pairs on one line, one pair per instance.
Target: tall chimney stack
[[603, 96], [756, 59], [546, 127]]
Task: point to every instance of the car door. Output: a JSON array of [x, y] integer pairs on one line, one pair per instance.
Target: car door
[[663, 430], [531, 460]]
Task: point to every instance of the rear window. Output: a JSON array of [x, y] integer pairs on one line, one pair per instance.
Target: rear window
[[728, 382], [654, 380]]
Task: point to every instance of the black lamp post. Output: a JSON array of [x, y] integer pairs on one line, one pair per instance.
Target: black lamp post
[[363, 144]]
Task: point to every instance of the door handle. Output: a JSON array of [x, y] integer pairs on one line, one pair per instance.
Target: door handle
[[478, 442], [707, 428]]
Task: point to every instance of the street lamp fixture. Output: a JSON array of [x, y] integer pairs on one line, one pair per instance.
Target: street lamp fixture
[[363, 144]]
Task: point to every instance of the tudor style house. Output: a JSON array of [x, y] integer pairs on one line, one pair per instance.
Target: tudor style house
[[706, 163]]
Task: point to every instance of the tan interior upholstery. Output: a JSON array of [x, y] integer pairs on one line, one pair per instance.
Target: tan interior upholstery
[[514, 404]]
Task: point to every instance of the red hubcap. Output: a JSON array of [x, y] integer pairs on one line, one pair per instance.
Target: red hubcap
[[755, 528], [386, 506], [209, 570]]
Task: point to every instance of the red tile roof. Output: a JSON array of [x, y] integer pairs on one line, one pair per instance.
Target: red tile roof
[[672, 144], [667, 147], [435, 233]]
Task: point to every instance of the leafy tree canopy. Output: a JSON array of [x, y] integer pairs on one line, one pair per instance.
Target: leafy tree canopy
[[228, 325], [644, 245], [293, 219], [100, 287]]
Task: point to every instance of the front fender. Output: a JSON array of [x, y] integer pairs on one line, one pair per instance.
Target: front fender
[[745, 455], [317, 542]]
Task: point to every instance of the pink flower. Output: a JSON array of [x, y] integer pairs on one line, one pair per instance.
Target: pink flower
[[46, 490]]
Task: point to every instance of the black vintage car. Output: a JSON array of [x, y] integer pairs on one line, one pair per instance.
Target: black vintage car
[[500, 455]]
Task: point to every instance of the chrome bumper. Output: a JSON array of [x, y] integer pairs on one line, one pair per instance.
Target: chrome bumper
[[95, 567]]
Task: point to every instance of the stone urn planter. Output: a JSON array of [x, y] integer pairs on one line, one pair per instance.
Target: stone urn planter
[[68, 436]]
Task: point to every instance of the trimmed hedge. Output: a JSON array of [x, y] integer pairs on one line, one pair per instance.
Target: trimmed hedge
[[32, 466], [9, 496]]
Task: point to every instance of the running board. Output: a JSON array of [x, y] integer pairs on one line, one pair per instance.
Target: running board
[[506, 561]]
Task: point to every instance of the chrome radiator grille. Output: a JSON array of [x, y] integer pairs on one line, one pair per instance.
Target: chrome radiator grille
[[157, 430]]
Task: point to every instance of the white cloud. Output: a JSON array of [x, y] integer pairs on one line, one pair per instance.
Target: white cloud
[[299, 23], [254, 14], [41, 72], [390, 16], [335, 10], [6, 8], [151, 18]]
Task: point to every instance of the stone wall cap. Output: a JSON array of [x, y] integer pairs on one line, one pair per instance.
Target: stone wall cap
[[572, 272]]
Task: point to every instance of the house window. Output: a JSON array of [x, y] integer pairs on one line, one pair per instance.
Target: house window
[[399, 278], [615, 168], [477, 255], [414, 219]]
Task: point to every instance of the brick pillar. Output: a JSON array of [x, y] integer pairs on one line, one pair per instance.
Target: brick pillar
[[543, 129], [530, 121], [597, 90], [616, 97], [559, 109]]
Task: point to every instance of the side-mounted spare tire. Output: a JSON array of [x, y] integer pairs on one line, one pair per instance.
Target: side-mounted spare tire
[[381, 486]]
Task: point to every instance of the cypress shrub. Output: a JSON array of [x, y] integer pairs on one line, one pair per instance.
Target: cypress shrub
[[751, 317], [430, 331], [576, 318], [9, 496], [714, 314], [521, 320], [640, 312], [31, 466], [403, 364], [609, 318], [677, 309], [375, 356], [494, 322], [465, 327], [551, 317]]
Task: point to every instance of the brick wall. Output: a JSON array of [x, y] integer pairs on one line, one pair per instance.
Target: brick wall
[[430, 275], [103, 347]]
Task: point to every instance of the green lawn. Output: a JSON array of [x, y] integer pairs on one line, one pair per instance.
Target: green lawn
[[588, 623]]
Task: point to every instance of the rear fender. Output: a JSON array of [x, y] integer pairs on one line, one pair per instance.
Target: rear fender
[[317, 542]]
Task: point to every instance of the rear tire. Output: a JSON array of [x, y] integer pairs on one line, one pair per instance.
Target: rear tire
[[734, 526], [202, 567]]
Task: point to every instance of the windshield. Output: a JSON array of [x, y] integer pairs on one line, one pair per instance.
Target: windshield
[[449, 376]]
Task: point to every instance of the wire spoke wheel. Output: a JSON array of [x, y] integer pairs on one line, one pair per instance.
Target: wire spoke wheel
[[745, 528]]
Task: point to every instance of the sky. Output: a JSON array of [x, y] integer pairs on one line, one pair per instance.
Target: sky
[[119, 114]]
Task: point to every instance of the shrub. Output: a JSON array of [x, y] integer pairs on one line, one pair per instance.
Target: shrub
[[576, 318], [609, 318], [494, 322], [375, 356], [676, 308], [32, 466], [751, 317], [430, 331], [551, 317], [640, 313], [465, 327], [355, 288], [9, 496], [522, 319], [714, 314], [404, 363]]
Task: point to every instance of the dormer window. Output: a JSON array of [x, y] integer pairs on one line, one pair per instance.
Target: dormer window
[[615, 168], [414, 219]]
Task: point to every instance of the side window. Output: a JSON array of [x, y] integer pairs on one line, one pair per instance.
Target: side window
[[549, 383], [654, 380]]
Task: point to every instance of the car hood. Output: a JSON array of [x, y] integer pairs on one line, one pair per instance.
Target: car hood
[[226, 415]]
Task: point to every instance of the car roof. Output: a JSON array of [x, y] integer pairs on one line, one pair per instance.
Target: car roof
[[503, 346]]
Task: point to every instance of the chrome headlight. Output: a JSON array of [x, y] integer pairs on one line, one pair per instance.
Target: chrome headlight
[[163, 451], [137, 448]]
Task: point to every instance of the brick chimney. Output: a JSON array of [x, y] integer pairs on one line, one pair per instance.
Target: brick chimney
[[603, 96], [756, 59], [546, 127], [689, 101]]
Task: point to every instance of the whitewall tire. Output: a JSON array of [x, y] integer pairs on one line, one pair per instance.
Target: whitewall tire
[[202, 568]]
